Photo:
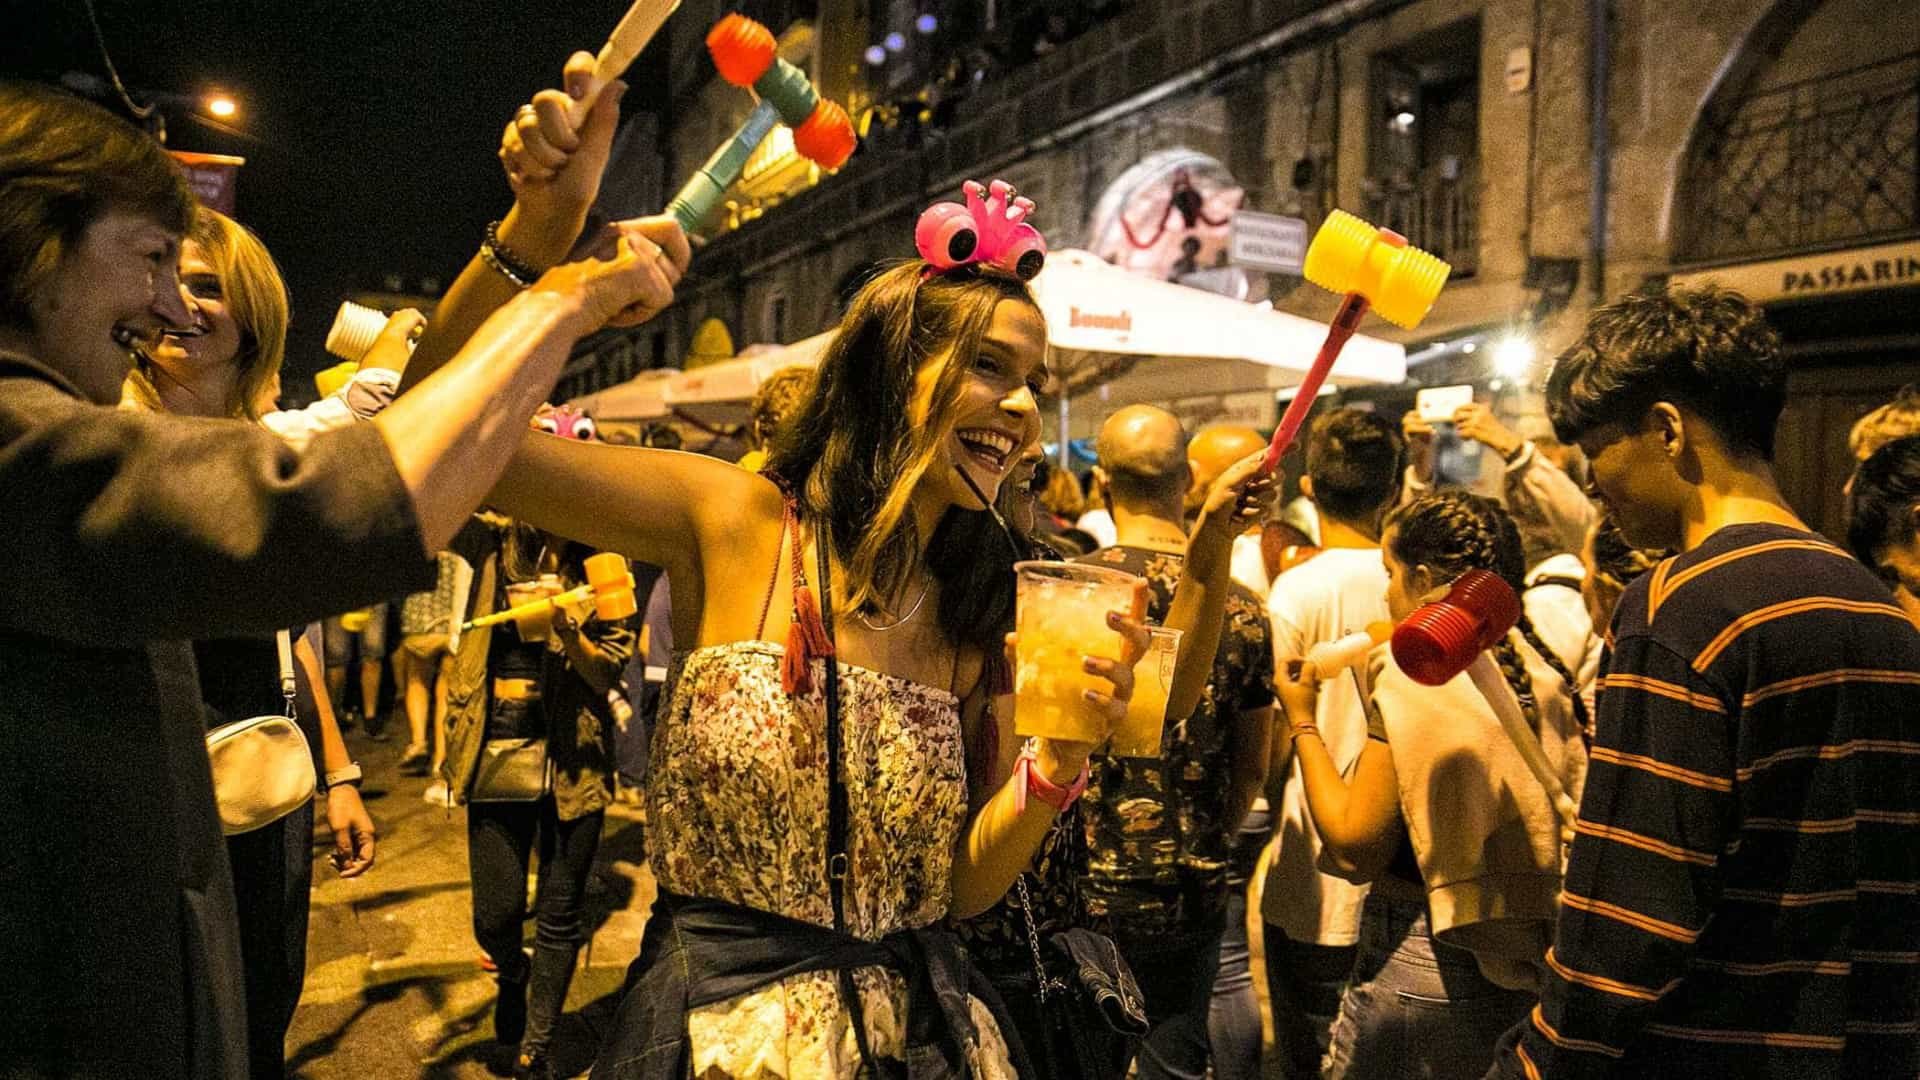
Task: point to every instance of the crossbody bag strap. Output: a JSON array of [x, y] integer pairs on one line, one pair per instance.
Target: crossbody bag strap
[[837, 800], [289, 689], [836, 786]]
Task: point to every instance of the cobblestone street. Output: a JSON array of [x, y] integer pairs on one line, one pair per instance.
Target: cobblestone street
[[394, 983]]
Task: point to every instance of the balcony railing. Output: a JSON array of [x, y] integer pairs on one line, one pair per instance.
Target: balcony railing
[[1437, 210], [1820, 163]]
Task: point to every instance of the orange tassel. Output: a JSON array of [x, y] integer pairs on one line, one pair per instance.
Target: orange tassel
[[807, 641], [796, 670]]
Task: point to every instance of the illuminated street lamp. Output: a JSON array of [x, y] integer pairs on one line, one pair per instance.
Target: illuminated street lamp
[[1513, 356], [221, 106]]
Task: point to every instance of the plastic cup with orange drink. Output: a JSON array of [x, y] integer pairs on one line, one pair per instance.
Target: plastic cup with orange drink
[[1061, 617], [535, 623], [1140, 733]]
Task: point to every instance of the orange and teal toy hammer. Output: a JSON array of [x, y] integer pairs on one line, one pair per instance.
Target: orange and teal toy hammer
[[743, 52], [1375, 268]]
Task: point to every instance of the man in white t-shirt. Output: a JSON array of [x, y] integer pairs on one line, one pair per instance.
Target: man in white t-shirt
[[1098, 523], [1353, 471]]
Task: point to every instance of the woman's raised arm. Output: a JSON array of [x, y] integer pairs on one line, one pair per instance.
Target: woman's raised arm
[[664, 507]]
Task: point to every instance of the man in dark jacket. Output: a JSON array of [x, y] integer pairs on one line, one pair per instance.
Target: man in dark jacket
[[129, 534]]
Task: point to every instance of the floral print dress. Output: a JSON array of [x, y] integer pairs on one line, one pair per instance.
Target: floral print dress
[[738, 812]]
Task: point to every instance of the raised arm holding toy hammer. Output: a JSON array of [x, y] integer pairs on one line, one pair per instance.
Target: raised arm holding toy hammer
[[1374, 268], [554, 150]]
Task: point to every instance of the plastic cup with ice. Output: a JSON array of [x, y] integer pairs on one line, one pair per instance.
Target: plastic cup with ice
[[1140, 733], [1062, 620], [536, 623]]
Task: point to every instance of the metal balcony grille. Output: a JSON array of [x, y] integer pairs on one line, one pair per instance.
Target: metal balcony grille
[[1820, 163], [1438, 211]]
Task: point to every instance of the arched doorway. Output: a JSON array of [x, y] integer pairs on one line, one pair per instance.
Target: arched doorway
[[1800, 186], [1807, 140]]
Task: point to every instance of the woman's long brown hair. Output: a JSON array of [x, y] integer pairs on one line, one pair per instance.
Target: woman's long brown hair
[[854, 453]]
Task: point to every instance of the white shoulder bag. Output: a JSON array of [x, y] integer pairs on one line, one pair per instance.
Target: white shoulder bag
[[262, 767]]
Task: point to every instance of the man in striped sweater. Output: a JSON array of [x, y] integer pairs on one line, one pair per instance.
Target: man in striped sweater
[[1743, 896]]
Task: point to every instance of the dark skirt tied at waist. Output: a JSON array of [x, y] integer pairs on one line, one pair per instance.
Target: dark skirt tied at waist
[[699, 952]]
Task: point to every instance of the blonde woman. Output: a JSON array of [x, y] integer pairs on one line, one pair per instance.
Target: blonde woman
[[227, 367]]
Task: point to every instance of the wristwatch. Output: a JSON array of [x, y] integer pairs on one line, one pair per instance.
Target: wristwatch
[[349, 775]]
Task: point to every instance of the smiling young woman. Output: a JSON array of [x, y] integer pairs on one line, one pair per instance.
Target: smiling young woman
[[229, 363], [931, 376]]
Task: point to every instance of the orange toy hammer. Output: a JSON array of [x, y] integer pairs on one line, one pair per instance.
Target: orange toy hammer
[[609, 585]]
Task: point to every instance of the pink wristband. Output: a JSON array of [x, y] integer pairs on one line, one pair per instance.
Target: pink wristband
[[1033, 781]]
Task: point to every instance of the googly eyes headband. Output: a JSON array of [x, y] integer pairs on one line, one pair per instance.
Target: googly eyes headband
[[990, 229], [566, 423]]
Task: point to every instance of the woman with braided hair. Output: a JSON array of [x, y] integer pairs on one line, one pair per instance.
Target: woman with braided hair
[[1612, 564], [1441, 816]]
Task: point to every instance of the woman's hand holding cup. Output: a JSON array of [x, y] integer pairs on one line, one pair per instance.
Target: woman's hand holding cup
[[394, 345]]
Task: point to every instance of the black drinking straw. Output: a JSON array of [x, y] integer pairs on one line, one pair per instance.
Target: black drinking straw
[[1019, 549]]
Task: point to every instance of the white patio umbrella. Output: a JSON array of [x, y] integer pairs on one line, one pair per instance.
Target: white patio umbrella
[[1094, 307], [639, 398], [1189, 338], [716, 394], [1089, 306]]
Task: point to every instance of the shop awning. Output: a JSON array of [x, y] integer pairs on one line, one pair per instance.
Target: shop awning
[[642, 397], [717, 394], [1094, 307]]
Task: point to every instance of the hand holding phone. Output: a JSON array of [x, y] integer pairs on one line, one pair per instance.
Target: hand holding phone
[[1436, 405]]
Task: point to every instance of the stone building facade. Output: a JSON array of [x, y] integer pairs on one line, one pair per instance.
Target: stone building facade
[[1730, 133]]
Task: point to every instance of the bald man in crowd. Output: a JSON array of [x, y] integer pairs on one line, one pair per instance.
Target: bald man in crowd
[[1162, 829], [1212, 452]]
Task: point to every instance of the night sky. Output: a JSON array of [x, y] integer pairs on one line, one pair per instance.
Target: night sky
[[372, 125]]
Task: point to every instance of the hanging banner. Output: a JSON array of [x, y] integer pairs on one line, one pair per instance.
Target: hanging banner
[[213, 176]]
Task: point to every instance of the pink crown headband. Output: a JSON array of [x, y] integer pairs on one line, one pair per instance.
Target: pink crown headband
[[991, 228]]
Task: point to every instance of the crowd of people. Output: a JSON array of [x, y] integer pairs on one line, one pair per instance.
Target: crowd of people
[[1664, 825]]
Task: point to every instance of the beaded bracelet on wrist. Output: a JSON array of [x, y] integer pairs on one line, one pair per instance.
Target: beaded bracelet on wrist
[[504, 260], [499, 266]]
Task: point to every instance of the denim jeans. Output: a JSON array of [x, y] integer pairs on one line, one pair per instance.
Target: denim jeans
[[1416, 1007], [500, 838], [1304, 984], [1233, 1022], [1175, 973]]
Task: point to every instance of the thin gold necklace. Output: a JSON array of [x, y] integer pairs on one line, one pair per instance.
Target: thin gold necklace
[[925, 588]]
